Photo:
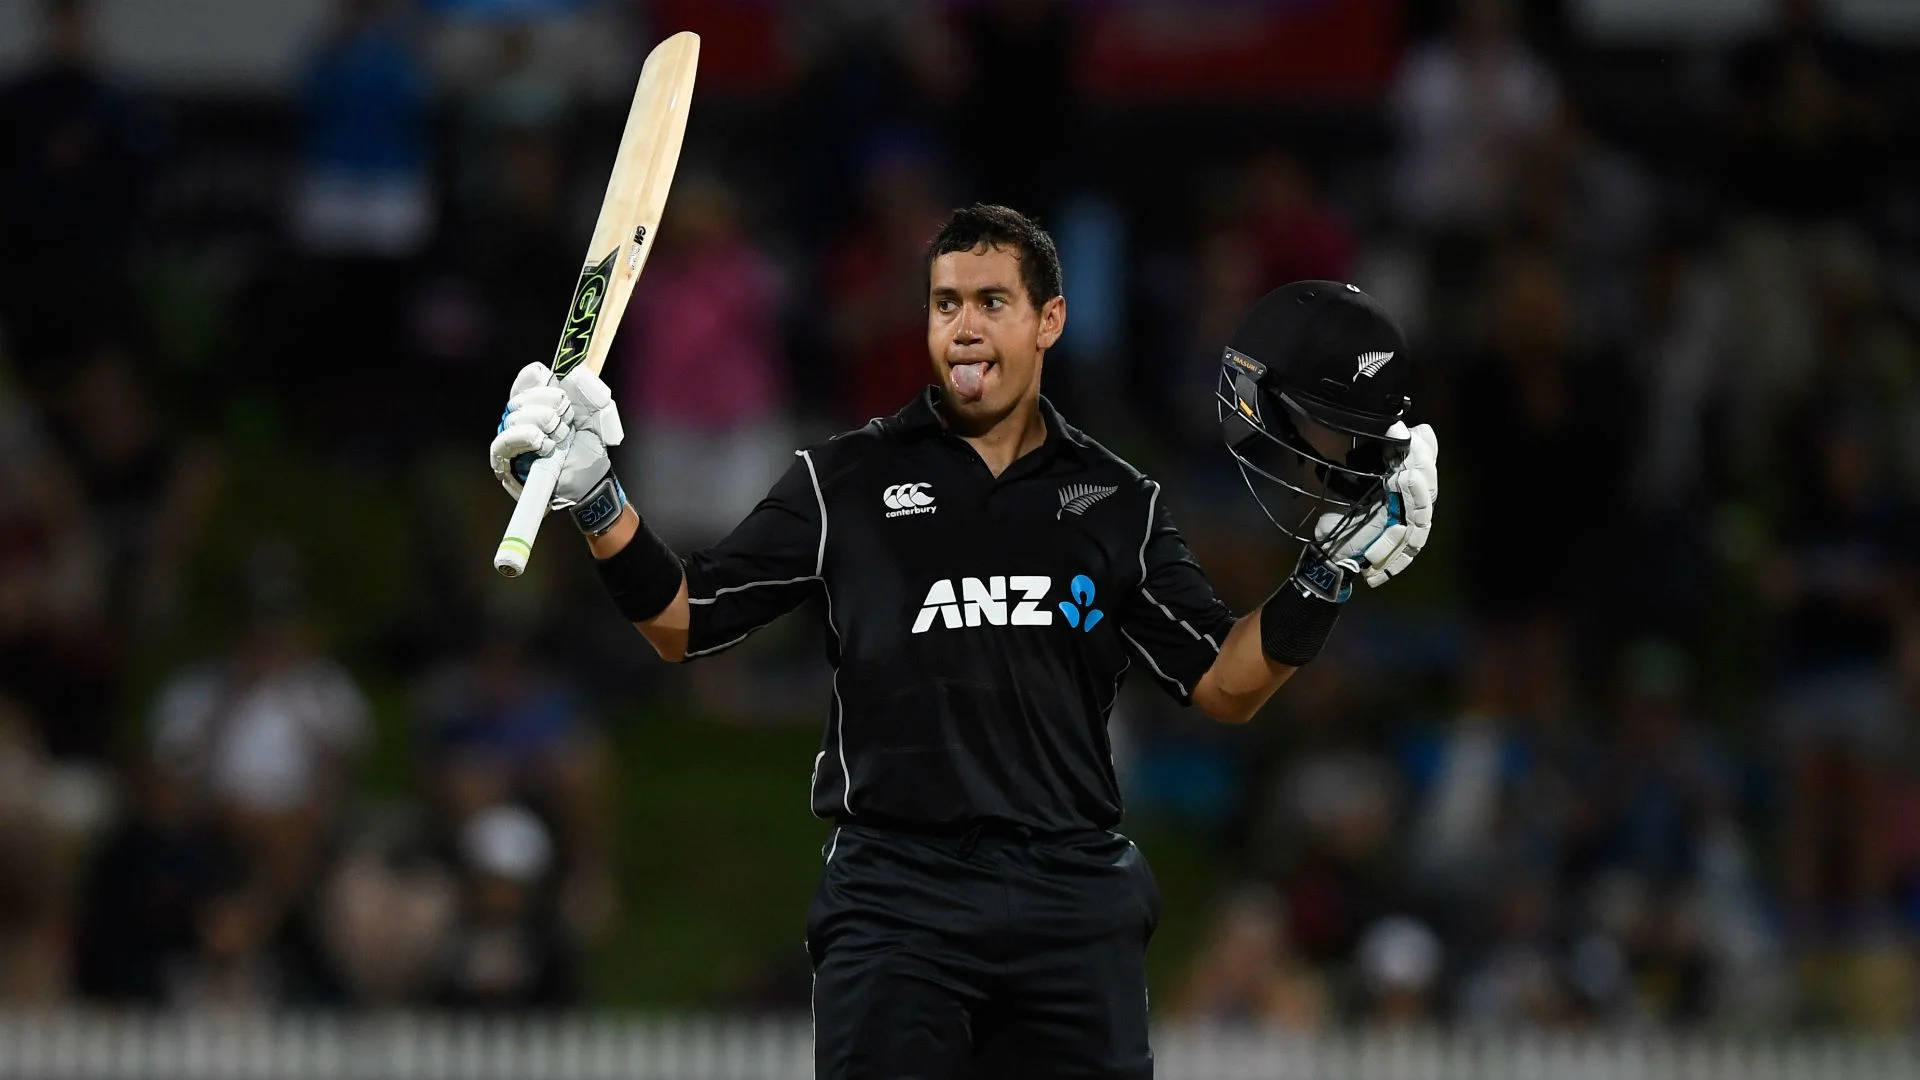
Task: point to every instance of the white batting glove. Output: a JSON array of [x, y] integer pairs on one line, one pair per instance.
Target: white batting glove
[[576, 419], [1385, 544]]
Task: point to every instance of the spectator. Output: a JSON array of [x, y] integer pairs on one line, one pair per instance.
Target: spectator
[[510, 221], [1340, 873], [1517, 982], [1465, 105], [362, 208], [1277, 228], [1593, 206], [880, 69], [1296, 234], [1807, 132], [57, 651], [1471, 781], [705, 372], [1658, 783], [34, 870], [150, 486], [876, 275], [503, 950], [139, 903], [108, 505], [1538, 409], [264, 736], [233, 966], [1399, 963], [1839, 579], [1247, 973], [383, 914], [1022, 61], [1676, 899], [364, 185], [76, 144], [500, 728], [1682, 354]]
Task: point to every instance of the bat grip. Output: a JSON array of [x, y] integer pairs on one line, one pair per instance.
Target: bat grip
[[516, 546]]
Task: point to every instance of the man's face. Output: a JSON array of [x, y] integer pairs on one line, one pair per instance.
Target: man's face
[[985, 336]]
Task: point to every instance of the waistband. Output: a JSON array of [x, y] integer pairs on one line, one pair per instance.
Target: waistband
[[969, 834]]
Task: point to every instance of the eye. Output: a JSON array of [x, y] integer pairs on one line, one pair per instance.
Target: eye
[[994, 303], [944, 306]]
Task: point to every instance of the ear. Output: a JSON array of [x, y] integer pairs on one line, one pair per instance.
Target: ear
[[1053, 320]]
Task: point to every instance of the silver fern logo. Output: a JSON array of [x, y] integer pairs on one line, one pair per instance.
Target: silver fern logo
[[1371, 362], [1077, 498]]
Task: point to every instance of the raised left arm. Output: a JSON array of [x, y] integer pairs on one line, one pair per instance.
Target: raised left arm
[[1242, 677]]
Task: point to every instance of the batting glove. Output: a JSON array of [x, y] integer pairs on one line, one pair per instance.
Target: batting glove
[[575, 418], [1386, 542]]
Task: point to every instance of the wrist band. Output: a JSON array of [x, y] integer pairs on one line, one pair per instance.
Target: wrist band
[[597, 512], [642, 577], [1294, 624], [1315, 575]]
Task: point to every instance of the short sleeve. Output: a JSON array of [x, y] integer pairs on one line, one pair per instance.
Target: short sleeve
[[765, 568], [1174, 621]]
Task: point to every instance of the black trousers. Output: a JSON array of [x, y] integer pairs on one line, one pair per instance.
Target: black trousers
[[988, 954]]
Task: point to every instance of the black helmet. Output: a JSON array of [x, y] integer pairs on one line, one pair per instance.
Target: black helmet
[[1312, 396]]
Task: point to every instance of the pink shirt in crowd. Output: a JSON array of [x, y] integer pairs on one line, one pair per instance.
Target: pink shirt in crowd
[[702, 344]]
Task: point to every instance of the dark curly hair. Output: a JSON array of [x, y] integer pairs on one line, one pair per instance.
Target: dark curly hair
[[1003, 227]]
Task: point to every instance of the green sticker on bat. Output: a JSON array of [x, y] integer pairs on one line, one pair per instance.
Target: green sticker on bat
[[584, 315]]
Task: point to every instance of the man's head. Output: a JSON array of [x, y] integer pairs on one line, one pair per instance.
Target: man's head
[[993, 310]]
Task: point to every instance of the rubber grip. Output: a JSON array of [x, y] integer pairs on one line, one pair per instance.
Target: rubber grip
[[516, 546]]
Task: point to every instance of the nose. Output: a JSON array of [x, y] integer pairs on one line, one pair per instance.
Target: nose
[[963, 329]]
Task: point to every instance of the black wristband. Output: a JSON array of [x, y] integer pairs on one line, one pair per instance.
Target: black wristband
[[642, 577], [1294, 624]]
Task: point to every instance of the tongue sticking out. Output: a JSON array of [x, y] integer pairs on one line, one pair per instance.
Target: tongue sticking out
[[968, 379]]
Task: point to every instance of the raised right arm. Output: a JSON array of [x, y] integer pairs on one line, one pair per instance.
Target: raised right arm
[[712, 599], [667, 631]]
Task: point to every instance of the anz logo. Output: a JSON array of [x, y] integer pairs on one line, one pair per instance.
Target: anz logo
[[1082, 590], [1004, 601]]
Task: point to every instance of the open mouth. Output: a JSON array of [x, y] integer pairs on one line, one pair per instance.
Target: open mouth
[[970, 378]]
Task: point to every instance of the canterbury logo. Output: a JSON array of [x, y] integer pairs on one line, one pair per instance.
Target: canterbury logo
[[1077, 498], [902, 499], [1371, 362], [984, 601]]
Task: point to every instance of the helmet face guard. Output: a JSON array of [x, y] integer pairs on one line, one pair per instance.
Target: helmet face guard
[[1302, 460]]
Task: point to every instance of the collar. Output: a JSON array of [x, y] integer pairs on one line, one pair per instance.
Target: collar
[[921, 415], [921, 418]]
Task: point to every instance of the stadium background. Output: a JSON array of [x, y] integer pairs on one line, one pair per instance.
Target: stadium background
[[1632, 750]]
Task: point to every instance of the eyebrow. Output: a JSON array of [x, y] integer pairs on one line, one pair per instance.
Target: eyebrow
[[945, 291]]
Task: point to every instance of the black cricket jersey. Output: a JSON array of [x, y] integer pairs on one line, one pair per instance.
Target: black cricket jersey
[[978, 626]]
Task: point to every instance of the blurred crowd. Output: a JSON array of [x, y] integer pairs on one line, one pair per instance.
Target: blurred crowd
[[1636, 744]]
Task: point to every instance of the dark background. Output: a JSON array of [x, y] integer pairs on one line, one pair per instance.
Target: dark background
[[1633, 744]]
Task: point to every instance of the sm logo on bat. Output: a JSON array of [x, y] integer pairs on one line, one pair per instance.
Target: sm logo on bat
[[583, 316]]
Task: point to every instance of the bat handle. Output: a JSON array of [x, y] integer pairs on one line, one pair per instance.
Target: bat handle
[[516, 546]]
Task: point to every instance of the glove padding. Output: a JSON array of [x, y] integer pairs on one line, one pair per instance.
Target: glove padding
[[575, 419], [1384, 544]]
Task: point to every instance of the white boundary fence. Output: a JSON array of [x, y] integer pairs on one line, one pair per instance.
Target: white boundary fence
[[122, 1046]]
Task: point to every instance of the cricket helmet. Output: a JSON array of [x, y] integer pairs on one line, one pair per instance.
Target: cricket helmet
[[1312, 395]]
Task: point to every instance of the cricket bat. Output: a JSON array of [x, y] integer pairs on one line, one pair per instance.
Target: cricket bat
[[622, 237]]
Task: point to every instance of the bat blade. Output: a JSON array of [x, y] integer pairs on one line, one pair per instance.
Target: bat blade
[[623, 236]]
